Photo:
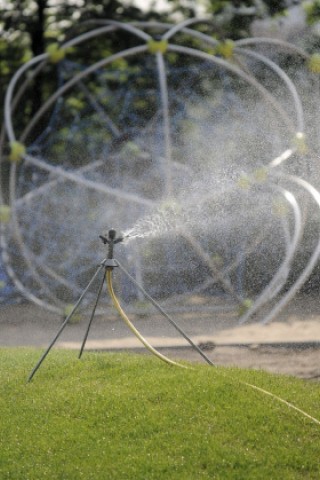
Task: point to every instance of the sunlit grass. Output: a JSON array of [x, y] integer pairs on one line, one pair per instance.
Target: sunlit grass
[[118, 416]]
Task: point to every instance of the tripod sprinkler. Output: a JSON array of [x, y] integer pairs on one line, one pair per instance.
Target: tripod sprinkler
[[108, 264], [111, 239]]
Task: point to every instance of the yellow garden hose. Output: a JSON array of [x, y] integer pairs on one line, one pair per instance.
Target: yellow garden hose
[[167, 360], [131, 326], [290, 405]]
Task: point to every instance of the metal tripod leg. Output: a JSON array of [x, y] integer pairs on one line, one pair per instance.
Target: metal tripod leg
[[160, 309], [91, 317], [66, 322]]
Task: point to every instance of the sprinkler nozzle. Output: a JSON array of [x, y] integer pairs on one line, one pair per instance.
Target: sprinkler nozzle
[[111, 240], [110, 237], [112, 234]]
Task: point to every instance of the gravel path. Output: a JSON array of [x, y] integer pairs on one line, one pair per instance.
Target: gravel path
[[290, 345]]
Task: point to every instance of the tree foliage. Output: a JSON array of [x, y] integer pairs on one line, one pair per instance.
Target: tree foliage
[[28, 27]]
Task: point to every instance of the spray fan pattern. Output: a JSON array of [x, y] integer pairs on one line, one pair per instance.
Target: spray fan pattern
[[199, 150]]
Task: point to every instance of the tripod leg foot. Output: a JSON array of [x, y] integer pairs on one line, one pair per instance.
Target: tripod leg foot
[[64, 323]]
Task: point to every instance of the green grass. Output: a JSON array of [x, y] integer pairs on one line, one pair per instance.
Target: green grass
[[117, 416]]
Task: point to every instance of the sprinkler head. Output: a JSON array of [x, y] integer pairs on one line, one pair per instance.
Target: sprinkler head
[[112, 234], [110, 237]]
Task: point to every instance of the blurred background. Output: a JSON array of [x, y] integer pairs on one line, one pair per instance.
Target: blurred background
[[70, 134]]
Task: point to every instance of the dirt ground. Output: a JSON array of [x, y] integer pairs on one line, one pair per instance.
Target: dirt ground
[[289, 345]]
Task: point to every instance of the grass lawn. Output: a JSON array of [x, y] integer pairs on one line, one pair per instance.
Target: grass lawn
[[118, 416]]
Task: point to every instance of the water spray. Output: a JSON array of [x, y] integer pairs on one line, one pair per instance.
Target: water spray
[[186, 188], [108, 264]]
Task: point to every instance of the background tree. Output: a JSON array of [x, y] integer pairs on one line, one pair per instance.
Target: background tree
[[28, 27]]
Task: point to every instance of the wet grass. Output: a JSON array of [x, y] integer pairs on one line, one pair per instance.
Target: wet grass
[[118, 416]]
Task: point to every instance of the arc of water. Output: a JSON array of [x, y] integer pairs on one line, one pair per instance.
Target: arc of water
[[110, 26], [3, 228], [6, 256], [166, 122], [28, 255], [240, 73], [103, 30], [11, 135], [63, 89], [19, 239], [10, 90], [281, 74], [280, 277], [100, 187], [253, 41], [240, 43], [42, 110], [315, 194], [22, 288], [182, 27]]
